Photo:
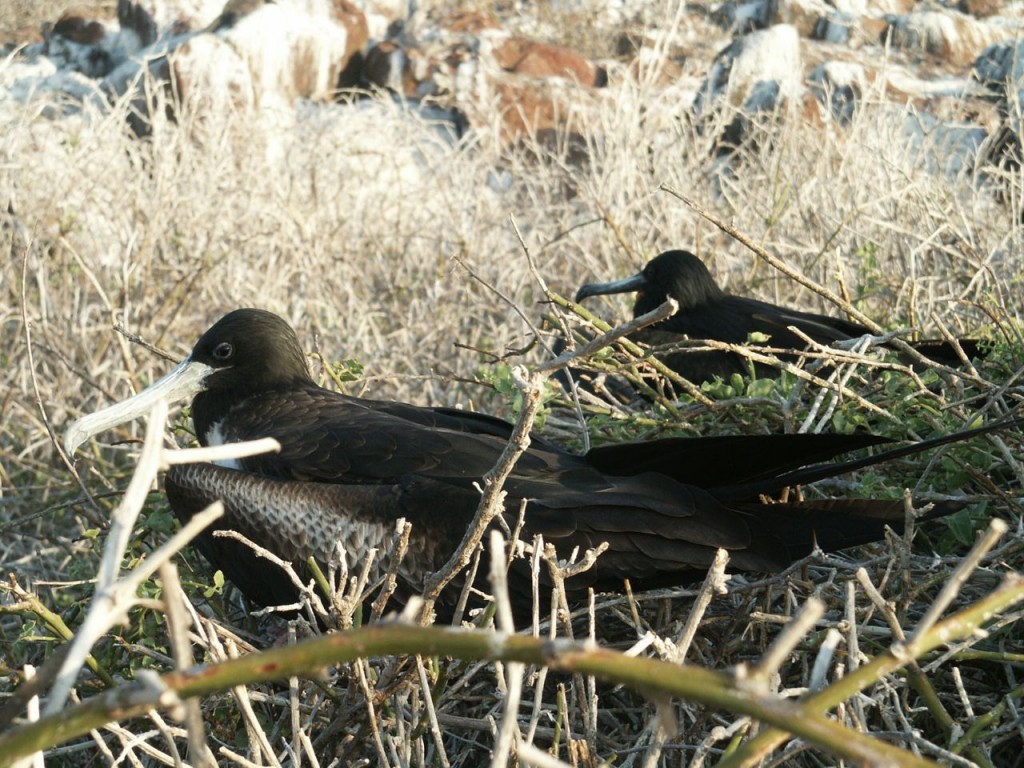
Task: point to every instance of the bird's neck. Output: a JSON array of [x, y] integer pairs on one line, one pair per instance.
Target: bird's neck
[[213, 408], [209, 410], [696, 293]]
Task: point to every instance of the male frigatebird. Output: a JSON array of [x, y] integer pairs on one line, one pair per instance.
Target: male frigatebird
[[707, 312], [349, 468]]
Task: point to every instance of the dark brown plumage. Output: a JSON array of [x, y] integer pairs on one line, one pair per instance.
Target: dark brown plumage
[[349, 468], [707, 312]]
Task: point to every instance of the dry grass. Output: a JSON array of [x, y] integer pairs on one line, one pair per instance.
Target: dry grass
[[21, 21], [356, 227]]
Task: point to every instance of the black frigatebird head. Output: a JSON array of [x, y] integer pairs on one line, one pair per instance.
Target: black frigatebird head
[[247, 351], [676, 273]]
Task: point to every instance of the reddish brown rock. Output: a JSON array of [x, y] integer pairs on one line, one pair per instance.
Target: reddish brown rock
[[353, 20], [538, 112], [982, 8], [872, 30], [531, 58]]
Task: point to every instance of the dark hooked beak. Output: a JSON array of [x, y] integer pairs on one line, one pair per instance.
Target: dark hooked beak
[[628, 285]]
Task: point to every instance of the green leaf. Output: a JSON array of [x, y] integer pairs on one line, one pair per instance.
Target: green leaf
[[961, 527], [347, 370], [217, 587], [160, 521], [761, 388], [718, 389]]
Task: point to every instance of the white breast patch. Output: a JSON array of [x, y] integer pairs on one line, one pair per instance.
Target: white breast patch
[[215, 436]]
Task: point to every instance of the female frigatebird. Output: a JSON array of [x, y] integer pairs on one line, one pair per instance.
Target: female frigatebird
[[707, 312], [349, 468]]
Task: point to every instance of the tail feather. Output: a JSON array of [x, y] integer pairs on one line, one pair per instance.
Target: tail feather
[[751, 489], [722, 460], [945, 353], [796, 528]]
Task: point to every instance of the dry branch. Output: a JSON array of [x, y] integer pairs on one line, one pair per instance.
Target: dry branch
[[655, 678]]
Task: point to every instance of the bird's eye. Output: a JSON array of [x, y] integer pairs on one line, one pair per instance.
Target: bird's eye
[[223, 351]]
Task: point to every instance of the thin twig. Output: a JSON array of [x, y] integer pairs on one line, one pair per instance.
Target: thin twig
[[656, 315], [305, 590], [515, 307], [177, 626], [493, 498], [105, 609], [428, 703], [509, 729], [399, 546], [790, 637], [714, 583], [135, 338], [214, 453], [956, 580]]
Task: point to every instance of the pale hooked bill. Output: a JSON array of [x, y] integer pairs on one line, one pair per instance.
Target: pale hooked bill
[[182, 383]]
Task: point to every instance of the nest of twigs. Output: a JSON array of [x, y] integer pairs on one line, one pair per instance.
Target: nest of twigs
[[906, 651]]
